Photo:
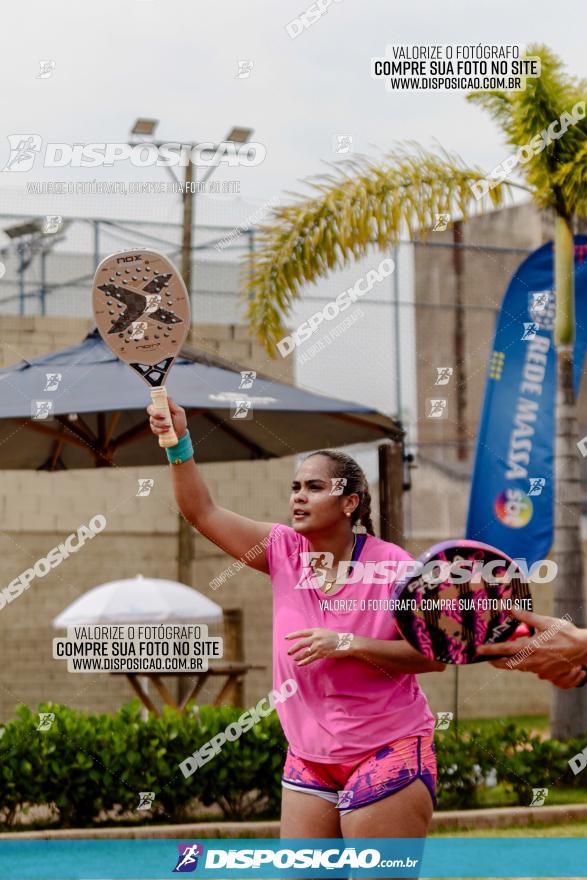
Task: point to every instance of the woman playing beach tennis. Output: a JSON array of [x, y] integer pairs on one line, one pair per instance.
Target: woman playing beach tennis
[[361, 760]]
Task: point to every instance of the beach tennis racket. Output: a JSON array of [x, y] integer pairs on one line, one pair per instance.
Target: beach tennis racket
[[459, 596], [142, 311]]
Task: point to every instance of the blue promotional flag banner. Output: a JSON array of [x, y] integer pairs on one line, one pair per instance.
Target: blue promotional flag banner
[[511, 505], [268, 858]]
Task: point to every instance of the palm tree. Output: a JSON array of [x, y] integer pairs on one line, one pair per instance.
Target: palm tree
[[364, 204]]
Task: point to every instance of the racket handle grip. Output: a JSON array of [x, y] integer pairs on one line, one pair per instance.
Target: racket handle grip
[[159, 398]]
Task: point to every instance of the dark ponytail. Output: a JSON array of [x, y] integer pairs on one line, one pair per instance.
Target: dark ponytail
[[344, 465]]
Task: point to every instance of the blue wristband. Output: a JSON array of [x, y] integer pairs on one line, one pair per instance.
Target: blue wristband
[[183, 451]]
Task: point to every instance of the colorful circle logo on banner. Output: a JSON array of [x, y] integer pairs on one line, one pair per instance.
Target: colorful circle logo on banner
[[513, 508]]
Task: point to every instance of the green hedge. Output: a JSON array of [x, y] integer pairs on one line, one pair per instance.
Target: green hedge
[[511, 755], [85, 764], [88, 763]]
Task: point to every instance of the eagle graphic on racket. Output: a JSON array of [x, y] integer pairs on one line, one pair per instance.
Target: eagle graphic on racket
[[142, 311]]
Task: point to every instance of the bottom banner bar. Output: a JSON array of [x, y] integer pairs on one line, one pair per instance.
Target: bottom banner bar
[[333, 857]]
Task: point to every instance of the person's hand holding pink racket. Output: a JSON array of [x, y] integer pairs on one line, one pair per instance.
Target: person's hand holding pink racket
[[557, 652]]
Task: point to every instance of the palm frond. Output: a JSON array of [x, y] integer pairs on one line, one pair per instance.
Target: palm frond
[[571, 181], [360, 204], [525, 116]]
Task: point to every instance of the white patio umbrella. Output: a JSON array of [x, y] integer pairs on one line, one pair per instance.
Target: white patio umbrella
[[140, 600]]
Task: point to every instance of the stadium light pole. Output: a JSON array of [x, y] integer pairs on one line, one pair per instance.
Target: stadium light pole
[[145, 128], [32, 236]]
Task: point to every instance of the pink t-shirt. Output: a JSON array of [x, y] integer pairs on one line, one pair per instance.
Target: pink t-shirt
[[344, 707]]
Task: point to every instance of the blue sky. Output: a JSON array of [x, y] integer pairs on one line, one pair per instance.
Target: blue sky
[[177, 61]]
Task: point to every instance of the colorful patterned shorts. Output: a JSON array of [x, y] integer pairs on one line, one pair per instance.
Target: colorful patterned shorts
[[378, 775]]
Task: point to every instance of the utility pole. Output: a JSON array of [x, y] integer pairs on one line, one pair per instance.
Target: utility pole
[[186, 235], [459, 342], [186, 552]]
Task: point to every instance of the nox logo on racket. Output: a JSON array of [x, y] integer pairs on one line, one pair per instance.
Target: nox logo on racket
[[139, 303]]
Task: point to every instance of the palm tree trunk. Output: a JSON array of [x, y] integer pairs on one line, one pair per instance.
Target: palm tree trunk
[[569, 707]]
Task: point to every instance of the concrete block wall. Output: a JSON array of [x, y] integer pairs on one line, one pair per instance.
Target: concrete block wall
[[39, 509]]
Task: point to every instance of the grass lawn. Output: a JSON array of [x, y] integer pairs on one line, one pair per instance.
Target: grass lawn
[[576, 829]]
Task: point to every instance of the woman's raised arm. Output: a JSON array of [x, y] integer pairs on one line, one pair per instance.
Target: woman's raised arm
[[237, 535]]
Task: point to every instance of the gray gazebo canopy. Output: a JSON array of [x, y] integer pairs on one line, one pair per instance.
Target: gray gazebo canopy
[[97, 415]]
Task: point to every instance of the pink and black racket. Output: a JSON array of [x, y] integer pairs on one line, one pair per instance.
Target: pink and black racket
[[142, 311], [461, 596]]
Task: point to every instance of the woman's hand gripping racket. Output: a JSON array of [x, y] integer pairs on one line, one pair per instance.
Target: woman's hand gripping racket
[[459, 596], [142, 311]]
